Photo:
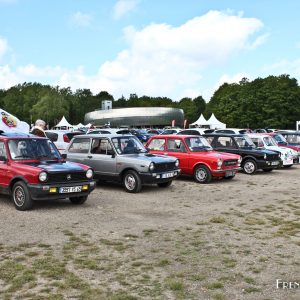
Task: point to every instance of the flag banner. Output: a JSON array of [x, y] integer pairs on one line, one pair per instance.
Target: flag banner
[[9, 123], [185, 122], [173, 123]]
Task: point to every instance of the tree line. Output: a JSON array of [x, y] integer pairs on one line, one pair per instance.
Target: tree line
[[264, 102]]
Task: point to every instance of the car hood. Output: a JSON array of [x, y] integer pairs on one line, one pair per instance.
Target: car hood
[[57, 166], [150, 157], [216, 155]]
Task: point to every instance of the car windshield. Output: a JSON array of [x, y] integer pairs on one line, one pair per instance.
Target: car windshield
[[128, 145], [244, 142], [280, 138], [196, 144], [269, 141], [142, 131], [293, 138], [32, 149]]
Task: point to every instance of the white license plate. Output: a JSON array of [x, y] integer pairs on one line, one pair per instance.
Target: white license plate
[[167, 175], [275, 163], [72, 189], [229, 173]]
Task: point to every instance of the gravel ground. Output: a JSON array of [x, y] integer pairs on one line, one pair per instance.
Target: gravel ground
[[224, 240]]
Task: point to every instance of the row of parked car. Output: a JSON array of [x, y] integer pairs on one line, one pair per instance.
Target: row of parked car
[[32, 168]]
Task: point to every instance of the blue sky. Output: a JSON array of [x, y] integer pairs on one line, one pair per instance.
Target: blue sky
[[171, 48]]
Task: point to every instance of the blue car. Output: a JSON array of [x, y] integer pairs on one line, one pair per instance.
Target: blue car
[[141, 134]]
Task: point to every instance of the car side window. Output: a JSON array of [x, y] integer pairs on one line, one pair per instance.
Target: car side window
[[80, 146], [176, 145], [157, 144], [102, 146], [209, 139], [3, 154], [257, 142], [225, 142], [52, 136]]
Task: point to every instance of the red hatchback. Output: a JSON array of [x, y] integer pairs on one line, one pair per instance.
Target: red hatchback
[[196, 156]]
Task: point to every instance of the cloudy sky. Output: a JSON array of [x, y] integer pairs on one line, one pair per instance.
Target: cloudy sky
[[171, 48]]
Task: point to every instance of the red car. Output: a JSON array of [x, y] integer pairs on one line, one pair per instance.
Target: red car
[[31, 168], [196, 156]]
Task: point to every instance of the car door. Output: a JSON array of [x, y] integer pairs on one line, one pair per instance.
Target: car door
[[4, 172], [79, 150], [226, 144], [175, 147], [102, 157], [157, 146]]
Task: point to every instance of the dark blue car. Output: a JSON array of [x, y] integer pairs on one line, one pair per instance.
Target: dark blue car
[[141, 134]]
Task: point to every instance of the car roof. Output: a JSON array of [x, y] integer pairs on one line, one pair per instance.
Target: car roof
[[224, 134], [265, 134], [174, 136], [111, 135], [18, 135]]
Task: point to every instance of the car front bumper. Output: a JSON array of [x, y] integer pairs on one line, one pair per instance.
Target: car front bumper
[[159, 177], [225, 173], [54, 191]]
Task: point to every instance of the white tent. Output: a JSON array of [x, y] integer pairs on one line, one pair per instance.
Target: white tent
[[9, 123], [63, 124], [201, 122], [214, 123]]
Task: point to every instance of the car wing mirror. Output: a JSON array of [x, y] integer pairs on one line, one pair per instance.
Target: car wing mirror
[[3, 159], [64, 156]]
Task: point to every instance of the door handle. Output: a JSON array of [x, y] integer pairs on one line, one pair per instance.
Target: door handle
[[90, 156]]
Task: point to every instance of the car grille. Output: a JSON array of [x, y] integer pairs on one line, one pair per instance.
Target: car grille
[[63, 177], [230, 162], [273, 157], [164, 167]]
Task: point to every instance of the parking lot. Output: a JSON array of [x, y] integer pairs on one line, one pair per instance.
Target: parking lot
[[224, 240]]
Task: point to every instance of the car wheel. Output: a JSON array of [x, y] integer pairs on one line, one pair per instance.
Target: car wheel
[[78, 200], [165, 184], [202, 174], [21, 196], [132, 182], [249, 166], [267, 170], [229, 177]]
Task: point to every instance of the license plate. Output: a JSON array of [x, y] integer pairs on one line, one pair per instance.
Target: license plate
[[275, 163], [167, 175], [72, 189], [229, 173]]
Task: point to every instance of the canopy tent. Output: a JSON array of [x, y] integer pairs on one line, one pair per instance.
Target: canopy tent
[[201, 122], [214, 123], [63, 124], [9, 123]]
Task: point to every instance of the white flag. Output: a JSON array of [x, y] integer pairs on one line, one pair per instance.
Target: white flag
[[9, 123]]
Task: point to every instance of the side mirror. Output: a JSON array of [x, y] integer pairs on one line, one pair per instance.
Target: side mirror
[[3, 159], [64, 156]]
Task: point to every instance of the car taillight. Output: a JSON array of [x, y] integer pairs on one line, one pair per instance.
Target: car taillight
[[66, 139]]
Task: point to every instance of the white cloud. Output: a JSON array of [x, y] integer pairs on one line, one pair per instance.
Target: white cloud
[[160, 60], [80, 19], [3, 47], [285, 66], [123, 7]]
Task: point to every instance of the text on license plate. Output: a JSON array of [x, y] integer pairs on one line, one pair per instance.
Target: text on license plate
[[72, 189], [275, 163], [229, 173], [167, 175]]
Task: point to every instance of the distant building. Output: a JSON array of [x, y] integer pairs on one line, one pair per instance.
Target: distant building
[[135, 116], [106, 105]]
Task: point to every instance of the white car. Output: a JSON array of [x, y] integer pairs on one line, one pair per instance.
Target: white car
[[61, 138], [267, 142]]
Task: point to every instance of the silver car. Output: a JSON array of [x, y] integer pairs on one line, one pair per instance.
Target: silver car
[[116, 157]]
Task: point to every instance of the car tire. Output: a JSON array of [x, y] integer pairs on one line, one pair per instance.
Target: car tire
[[21, 196], [229, 177], [267, 170], [249, 166], [78, 200], [202, 174], [132, 182], [165, 184]]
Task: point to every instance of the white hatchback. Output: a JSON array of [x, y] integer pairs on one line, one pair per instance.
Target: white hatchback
[[61, 138]]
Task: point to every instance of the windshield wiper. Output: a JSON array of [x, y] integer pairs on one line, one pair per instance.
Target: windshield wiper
[[23, 156]]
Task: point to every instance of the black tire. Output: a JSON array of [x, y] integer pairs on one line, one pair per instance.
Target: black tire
[[202, 174], [249, 166], [21, 196], [165, 184], [267, 170], [229, 177], [132, 182], [78, 200]]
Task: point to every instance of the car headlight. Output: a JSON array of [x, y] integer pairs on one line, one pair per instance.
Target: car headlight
[[151, 167], [220, 162], [265, 156], [240, 160], [177, 163], [43, 176], [89, 173]]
